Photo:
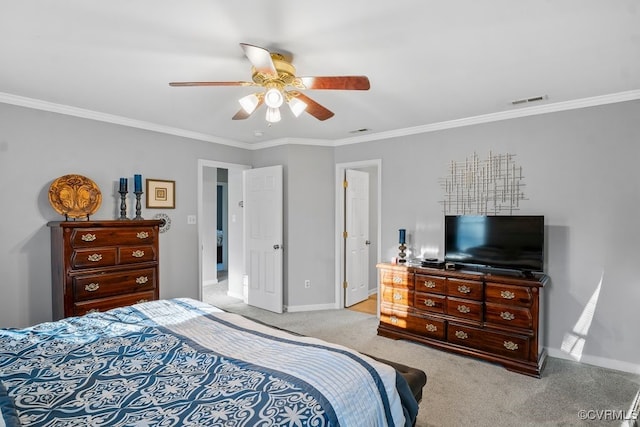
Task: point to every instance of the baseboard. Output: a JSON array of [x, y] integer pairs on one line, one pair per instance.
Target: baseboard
[[312, 307], [603, 362]]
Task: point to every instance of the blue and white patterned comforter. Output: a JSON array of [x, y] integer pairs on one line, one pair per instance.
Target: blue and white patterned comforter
[[185, 363]]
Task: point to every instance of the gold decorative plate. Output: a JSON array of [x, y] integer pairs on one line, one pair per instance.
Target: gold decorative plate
[[75, 196]]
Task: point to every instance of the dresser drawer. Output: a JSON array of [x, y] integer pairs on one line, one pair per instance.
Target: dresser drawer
[[96, 237], [505, 294], [430, 284], [465, 309], [427, 326], [512, 346], [429, 302], [104, 304], [396, 278], [133, 254], [392, 317], [94, 286], [508, 315], [94, 258], [397, 296], [468, 289]]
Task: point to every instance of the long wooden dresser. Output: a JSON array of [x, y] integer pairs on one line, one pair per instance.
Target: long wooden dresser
[[99, 265], [497, 318]]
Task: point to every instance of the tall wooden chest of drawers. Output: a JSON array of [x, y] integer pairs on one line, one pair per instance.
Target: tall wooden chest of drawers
[[493, 317], [99, 265]]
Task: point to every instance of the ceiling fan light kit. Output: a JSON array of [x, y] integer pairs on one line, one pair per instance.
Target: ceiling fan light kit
[[273, 115], [277, 77], [249, 103]]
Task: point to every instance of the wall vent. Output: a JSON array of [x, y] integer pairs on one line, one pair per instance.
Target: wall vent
[[532, 99]]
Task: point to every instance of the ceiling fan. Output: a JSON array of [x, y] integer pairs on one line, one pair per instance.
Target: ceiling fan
[[279, 84]]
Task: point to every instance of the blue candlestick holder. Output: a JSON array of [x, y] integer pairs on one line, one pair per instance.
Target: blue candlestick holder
[[123, 205], [138, 205]]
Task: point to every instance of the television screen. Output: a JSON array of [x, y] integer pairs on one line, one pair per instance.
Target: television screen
[[506, 242]]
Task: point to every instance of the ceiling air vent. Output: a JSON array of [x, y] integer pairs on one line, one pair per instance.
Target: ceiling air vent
[[532, 99]]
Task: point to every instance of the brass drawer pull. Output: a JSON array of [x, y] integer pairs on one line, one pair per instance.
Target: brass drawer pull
[[396, 279], [142, 235], [431, 328], [429, 284], [507, 316], [464, 289], [91, 287], [429, 303], [142, 280], [463, 309], [394, 320], [141, 301], [462, 335], [507, 294], [88, 237], [94, 257], [510, 345], [397, 296], [137, 254]]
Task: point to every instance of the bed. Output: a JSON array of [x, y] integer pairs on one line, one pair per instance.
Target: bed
[[181, 362]]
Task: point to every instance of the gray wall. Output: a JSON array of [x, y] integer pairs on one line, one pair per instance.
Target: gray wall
[[36, 147], [581, 172]]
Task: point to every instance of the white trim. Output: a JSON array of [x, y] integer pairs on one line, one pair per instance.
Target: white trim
[[68, 110], [204, 163], [339, 200], [523, 111], [517, 112], [603, 362], [311, 307]]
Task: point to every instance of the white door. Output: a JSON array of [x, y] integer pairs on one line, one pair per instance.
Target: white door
[[357, 237], [262, 199]]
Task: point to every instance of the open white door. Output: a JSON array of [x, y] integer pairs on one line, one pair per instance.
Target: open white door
[[262, 190], [357, 237]]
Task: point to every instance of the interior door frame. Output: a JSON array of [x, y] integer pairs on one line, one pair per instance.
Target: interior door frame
[[340, 207], [202, 164]]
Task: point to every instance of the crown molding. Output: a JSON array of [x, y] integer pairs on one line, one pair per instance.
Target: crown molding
[[522, 111], [517, 112], [52, 107]]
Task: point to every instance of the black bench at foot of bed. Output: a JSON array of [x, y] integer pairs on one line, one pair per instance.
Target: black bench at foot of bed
[[416, 378]]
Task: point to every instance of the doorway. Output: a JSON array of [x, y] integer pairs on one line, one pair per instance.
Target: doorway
[[209, 178], [373, 168]]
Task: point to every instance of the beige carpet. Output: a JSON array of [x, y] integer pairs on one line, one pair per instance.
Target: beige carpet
[[462, 391]]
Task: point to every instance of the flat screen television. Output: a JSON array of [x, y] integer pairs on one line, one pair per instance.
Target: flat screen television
[[514, 242]]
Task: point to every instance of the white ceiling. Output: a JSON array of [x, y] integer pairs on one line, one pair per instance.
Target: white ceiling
[[429, 62]]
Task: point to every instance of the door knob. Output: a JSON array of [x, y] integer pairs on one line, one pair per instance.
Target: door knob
[[276, 246], [368, 242]]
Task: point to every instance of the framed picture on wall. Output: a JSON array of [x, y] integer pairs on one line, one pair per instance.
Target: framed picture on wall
[[161, 194]]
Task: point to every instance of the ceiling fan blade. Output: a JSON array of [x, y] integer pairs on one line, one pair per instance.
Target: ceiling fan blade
[[242, 114], [260, 58], [313, 108], [179, 84], [336, 82]]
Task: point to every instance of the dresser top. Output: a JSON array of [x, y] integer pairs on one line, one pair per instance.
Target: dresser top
[[105, 224]]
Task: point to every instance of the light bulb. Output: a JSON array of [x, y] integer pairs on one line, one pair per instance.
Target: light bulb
[[249, 103], [297, 106], [273, 115], [273, 98]]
